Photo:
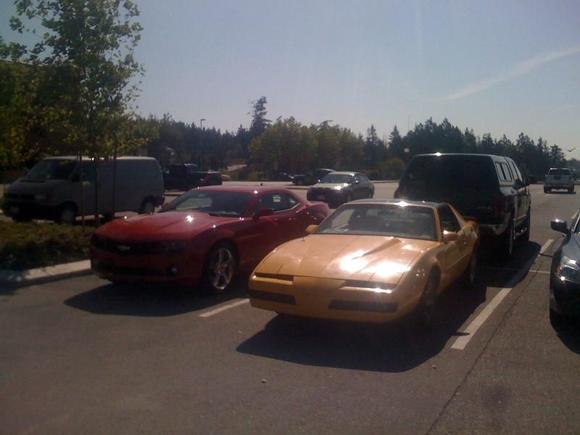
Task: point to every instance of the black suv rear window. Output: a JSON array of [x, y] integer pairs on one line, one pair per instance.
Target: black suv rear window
[[447, 173]]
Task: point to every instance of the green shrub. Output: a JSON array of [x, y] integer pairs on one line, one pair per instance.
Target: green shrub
[[30, 245]]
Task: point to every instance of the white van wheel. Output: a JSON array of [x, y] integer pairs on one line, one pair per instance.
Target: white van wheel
[[148, 207], [67, 214]]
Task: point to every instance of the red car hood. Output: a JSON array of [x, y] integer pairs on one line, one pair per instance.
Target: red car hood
[[172, 225]]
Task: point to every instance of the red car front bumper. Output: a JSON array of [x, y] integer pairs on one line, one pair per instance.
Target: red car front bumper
[[180, 269]]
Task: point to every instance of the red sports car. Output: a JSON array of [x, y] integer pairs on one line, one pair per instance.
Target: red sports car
[[206, 235]]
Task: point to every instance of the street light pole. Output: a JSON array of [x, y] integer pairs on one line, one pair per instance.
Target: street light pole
[[201, 144]]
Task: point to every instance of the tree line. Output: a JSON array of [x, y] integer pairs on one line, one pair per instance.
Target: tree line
[[72, 93]]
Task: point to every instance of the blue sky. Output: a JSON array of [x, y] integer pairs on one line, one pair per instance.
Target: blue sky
[[494, 66]]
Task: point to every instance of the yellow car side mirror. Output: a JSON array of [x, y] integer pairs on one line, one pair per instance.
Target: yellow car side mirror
[[449, 236]]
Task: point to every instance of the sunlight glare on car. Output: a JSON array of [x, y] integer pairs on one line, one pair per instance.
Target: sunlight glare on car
[[386, 270], [353, 262], [380, 290], [189, 218]]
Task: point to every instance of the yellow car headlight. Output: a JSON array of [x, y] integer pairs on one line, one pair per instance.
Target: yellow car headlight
[[377, 287]]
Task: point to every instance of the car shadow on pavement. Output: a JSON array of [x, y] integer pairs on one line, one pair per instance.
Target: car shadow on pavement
[[500, 273], [8, 290], [149, 300], [396, 347]]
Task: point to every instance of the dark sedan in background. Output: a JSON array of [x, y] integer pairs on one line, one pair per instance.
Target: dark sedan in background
[[187, 176], [337, 188], [310, 178], [565, 275]]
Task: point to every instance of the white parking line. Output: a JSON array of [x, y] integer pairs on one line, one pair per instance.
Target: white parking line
[[546, 245], [476, 323], [461, 342], [224, 307]]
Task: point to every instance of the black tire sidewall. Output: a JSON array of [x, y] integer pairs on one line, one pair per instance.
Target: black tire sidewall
[[528, 223], [504, 240], [467, 282]]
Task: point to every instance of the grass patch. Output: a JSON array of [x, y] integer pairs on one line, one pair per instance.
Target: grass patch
[[30, 245]]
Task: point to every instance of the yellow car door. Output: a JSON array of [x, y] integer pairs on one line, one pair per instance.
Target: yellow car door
[[458, 242], [450, 257]]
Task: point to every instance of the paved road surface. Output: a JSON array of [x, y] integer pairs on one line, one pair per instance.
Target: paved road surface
[[83, 356]]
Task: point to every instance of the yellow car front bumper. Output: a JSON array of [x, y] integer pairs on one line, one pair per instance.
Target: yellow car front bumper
[[329, 299]]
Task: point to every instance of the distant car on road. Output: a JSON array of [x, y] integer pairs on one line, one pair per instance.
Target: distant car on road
[[370, 261], [339, 187], [565, 275], [311, 178], [52, 188], [281, 176], [187, 176], [206, 236], [488, 188], [559, 179]]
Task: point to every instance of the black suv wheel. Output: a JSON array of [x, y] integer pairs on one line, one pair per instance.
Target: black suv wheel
[[528, 224], [507, 241]]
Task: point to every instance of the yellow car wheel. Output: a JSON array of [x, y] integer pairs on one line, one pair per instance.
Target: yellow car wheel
[[427, 309], [468, 279]]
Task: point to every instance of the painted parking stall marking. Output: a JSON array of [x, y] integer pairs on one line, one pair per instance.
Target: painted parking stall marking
[[476, 323], [461, 342], [224, 307], [546, 246]]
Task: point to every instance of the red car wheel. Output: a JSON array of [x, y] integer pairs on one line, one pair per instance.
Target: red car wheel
[[220, 268]]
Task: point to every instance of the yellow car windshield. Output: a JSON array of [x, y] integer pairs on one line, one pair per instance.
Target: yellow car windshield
[[396, 220]]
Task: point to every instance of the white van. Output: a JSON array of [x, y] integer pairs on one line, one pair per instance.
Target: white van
[[52, 188]]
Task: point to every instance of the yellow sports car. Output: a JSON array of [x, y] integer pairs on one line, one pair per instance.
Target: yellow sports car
[[370, 261]]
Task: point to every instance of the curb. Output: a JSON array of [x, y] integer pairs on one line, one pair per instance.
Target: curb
[[21, 278]]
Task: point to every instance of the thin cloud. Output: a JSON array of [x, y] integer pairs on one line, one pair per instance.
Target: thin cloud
[[518, 70]]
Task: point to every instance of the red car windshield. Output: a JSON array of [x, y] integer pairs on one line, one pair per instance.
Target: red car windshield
[[215, 203]]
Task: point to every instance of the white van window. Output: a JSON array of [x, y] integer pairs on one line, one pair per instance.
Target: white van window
[[51, 169]]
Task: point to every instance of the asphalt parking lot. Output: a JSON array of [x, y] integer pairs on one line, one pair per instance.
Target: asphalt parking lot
[[84, 356]]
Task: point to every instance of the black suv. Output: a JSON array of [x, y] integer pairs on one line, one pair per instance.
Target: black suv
[[339, 187], [187, 176], [488, 188]]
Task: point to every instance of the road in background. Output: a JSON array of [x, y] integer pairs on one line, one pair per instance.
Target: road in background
[[81, 355]]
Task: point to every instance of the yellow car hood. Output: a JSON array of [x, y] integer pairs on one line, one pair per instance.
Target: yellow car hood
[[346, 257]]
